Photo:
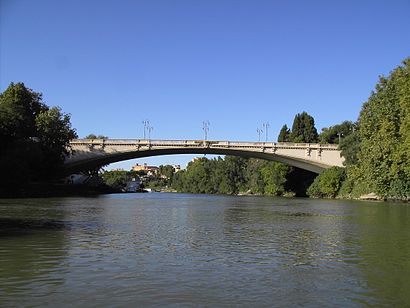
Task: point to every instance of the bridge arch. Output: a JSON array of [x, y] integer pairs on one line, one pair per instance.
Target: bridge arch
[[89, 154]]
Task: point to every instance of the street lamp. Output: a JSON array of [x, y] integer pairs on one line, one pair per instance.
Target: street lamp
[[340, 136], [150, 129], [146, 125], [205, 128], [266, 127], [259, 131]]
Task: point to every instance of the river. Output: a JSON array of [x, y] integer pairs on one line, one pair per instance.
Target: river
[[199, 250]]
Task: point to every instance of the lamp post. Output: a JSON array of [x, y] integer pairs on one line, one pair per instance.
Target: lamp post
[[205, 128], [266, 127], [150, 129], [259, 131], [146, 125], [340, 136]]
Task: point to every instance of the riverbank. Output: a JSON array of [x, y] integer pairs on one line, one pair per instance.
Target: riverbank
[[49, 190]]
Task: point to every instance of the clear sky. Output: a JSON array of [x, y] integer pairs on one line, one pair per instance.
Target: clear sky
[[237, 63]]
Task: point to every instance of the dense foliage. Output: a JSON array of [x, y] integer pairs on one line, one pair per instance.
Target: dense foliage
[[383, 158], [117, 179], [284, 134], [303, 130], [34, 137], [335, 133], [377, 147], [233, 175], [328, 184], [93, 136]]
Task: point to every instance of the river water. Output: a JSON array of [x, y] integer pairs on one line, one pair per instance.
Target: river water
[[199, 250]]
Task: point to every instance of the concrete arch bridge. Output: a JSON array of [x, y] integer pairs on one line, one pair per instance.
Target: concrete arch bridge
[[94, 153]]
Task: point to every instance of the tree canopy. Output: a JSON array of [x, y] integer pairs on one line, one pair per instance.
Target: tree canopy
[[377, 147], [383, 159], [93, 136], [232, 175], [335, 133], [34, 137], [284, 134], [303, 130]]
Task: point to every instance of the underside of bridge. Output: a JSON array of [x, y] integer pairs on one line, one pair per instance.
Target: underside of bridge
[[88, 161]]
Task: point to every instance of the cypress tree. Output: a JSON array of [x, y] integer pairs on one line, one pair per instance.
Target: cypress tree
[[284, 134], [303, 129]]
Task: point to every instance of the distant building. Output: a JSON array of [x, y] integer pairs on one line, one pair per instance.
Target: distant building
[[176, 168], [150, 170]]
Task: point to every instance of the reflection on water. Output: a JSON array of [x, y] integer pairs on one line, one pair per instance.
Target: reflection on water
[[174, 249], [31, 250]]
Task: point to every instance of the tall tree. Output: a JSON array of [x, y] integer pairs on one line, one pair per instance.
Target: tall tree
[[350, 146], [167, 172], [19, 107], [54, 134], [274, 177], [284, 134], [34, 137], [303, 129], [384, 156]]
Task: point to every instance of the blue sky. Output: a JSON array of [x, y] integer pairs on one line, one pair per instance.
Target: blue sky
[[112, 64]]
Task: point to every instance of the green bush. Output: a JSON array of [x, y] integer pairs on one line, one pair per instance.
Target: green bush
[[399, 189], [328, 183]]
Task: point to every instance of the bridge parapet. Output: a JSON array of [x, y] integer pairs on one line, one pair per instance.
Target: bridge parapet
[[132, 142]]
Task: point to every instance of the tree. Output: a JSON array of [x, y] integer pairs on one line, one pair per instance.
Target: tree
[[34, 137], [234, 168], [328, 183], [350, 146], [19, 107], [284, 134], [274, 177], [54, 134], [198, 177], [93, 136], [254, 179], [232, 175], [383, 158], [167, 172], [303, 129], [116, 179], [333, 133]]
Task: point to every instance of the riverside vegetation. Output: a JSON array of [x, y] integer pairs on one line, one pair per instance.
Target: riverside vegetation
[[33, 138], [376, 148]]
